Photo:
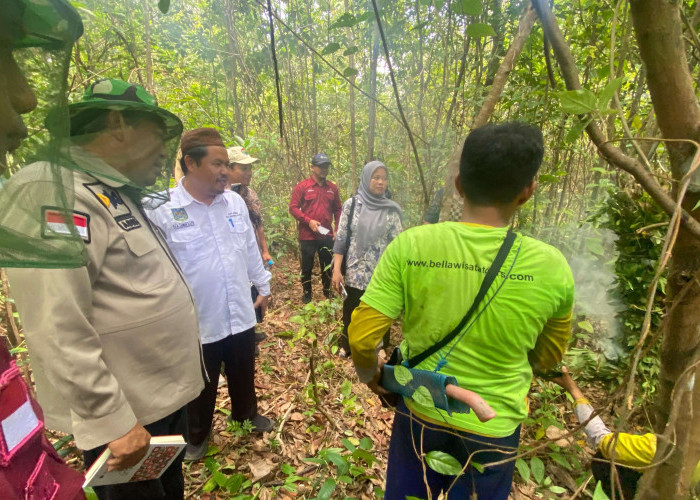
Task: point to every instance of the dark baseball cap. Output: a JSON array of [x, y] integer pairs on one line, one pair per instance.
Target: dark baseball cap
[[321, 160]]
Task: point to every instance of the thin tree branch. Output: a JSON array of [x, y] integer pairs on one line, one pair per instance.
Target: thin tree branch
[[277, 71], [426, 198], [616, 98], [548, 64]]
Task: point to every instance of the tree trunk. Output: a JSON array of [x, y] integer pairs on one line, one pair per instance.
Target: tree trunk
[[659, 34], [372, 112], [314, 108], [233, 49], [452, 202], [458, 83], [353, 138]]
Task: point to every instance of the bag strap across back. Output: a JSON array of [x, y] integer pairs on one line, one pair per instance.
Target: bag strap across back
[[485, 285]]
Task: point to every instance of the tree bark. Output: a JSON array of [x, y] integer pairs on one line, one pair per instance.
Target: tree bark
[[658, 28]]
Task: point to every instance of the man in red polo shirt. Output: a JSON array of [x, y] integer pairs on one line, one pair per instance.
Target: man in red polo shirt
[[315, 203]]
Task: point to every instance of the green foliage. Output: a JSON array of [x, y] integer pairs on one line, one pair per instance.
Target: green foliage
[[330, 48], [443, 463], [403, 375], [585, 325], [480, 30], [466, 7], [537, 469], [422, 396], [534, 468], [90, 494], [163, 6], [290, 482], [224, 478], [640, 227], [523, 469], [599, 494], [342, 466], [266, 368], [578, 101]]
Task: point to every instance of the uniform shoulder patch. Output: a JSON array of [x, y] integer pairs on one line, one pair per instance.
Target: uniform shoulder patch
[[59, 223], [114, 204]]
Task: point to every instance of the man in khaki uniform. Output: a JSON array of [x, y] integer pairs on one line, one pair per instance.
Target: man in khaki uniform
[[114, 344]]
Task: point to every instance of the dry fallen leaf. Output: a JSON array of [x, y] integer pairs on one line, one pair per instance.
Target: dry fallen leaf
[[259, 469]]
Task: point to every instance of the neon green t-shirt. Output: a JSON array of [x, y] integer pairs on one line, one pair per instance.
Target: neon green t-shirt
[[432, 273]]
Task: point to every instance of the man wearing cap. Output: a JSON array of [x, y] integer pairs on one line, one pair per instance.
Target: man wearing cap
[[240, 174], [315, 204], [30, 467], [208, 229], [114, 343]]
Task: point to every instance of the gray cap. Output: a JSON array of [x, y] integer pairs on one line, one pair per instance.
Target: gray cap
[[321, 160]]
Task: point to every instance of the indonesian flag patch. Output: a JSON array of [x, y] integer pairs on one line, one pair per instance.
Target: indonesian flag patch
[[56, 223]]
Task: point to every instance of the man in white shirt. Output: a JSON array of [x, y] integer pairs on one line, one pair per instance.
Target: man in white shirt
[[208, 229]]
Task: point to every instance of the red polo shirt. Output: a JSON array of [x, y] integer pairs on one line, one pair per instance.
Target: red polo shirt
[[313, 201]]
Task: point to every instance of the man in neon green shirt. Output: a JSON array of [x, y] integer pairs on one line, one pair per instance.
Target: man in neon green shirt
[[431, 274]]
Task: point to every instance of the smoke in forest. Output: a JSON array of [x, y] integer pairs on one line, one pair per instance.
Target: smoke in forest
[[591, 253]]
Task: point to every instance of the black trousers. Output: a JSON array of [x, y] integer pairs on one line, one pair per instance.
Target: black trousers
[[309, 249], [237, 353], [171, 485], [349, 305]]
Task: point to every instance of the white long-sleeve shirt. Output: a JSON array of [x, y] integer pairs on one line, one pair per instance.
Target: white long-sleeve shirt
[[216, 248]]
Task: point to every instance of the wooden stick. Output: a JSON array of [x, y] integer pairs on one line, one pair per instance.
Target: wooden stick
[[480, 407]]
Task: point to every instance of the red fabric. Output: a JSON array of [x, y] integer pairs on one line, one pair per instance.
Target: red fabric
[[34, 470], [312, 201]]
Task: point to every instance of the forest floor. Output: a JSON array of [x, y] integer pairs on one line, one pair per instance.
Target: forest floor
[[332, 441]]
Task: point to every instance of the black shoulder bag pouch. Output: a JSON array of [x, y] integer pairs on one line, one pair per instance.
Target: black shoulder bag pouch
[[344, 264], [396, 356]]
